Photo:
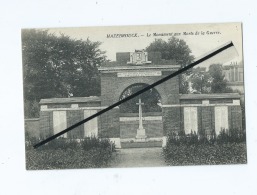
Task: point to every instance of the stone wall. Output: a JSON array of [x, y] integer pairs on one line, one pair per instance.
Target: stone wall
[[32, 127], [207, 119], [113, 86], [74, 109], [172, 120], [109, 124], [235, 117], [173, 115], [73, 117], [46, 124]]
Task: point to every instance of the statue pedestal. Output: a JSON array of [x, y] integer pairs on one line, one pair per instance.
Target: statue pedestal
[[141, 135]]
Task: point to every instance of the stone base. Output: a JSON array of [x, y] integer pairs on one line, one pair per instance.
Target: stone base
[[147, 144], [141, 135], [139, 139]]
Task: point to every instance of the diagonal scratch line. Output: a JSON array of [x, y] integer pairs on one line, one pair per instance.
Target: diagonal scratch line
[[228, 45]]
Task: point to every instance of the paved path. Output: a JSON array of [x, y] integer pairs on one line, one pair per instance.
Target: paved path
[[137, 157]]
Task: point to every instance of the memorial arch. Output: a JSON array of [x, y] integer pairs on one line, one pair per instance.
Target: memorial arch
[[171, 111], [132, 70]]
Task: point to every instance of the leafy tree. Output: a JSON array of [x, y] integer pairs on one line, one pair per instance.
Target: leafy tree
[[184, 84], [58, 66], [174, 49], [201, 80], [150, 98], [212, 81], [219, 83], [31, 108]]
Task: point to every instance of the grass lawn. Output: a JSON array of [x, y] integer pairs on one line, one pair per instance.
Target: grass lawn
[[205, 154]]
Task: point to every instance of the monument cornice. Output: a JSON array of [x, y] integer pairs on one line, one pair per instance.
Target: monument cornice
[[138, 68]]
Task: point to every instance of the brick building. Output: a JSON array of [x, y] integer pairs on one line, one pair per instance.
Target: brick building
[[179, 112]]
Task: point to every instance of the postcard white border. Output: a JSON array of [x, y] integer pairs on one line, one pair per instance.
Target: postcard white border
[[226, 179]]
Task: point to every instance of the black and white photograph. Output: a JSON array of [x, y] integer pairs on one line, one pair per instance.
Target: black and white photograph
[[156, 110], [128, 97]]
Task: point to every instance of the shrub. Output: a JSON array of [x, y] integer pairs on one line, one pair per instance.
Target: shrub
[[66, 159], [189, 139], [225, 136], [205, 154], [68, 153], [30, 141], [59, 143], [234, 153], [231, 136], [94, 142], [228, 147]]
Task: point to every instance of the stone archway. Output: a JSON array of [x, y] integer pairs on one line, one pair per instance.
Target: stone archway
[[147, 116], [150, 98], [121, 75]]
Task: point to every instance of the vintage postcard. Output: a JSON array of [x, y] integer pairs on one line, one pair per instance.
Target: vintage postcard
[[196, 117]]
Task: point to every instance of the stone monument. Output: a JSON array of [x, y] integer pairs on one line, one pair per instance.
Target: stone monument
[[141, 136]]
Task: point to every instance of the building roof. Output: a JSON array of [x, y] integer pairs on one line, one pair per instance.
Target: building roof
[[70, 100], [210, 96]]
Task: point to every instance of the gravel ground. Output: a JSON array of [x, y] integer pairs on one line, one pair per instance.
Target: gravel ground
[[138, 157]]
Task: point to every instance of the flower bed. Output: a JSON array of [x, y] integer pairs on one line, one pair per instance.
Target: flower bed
[[228, 147], [205, 154], [61, 154]]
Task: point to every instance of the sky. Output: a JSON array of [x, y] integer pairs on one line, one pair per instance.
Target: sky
[[200, 38]]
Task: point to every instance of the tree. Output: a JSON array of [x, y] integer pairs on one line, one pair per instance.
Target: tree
[[184, 85], [174, 49], [150, 98], [212, 81], [58, 66], [201, 80], [219, 83]]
